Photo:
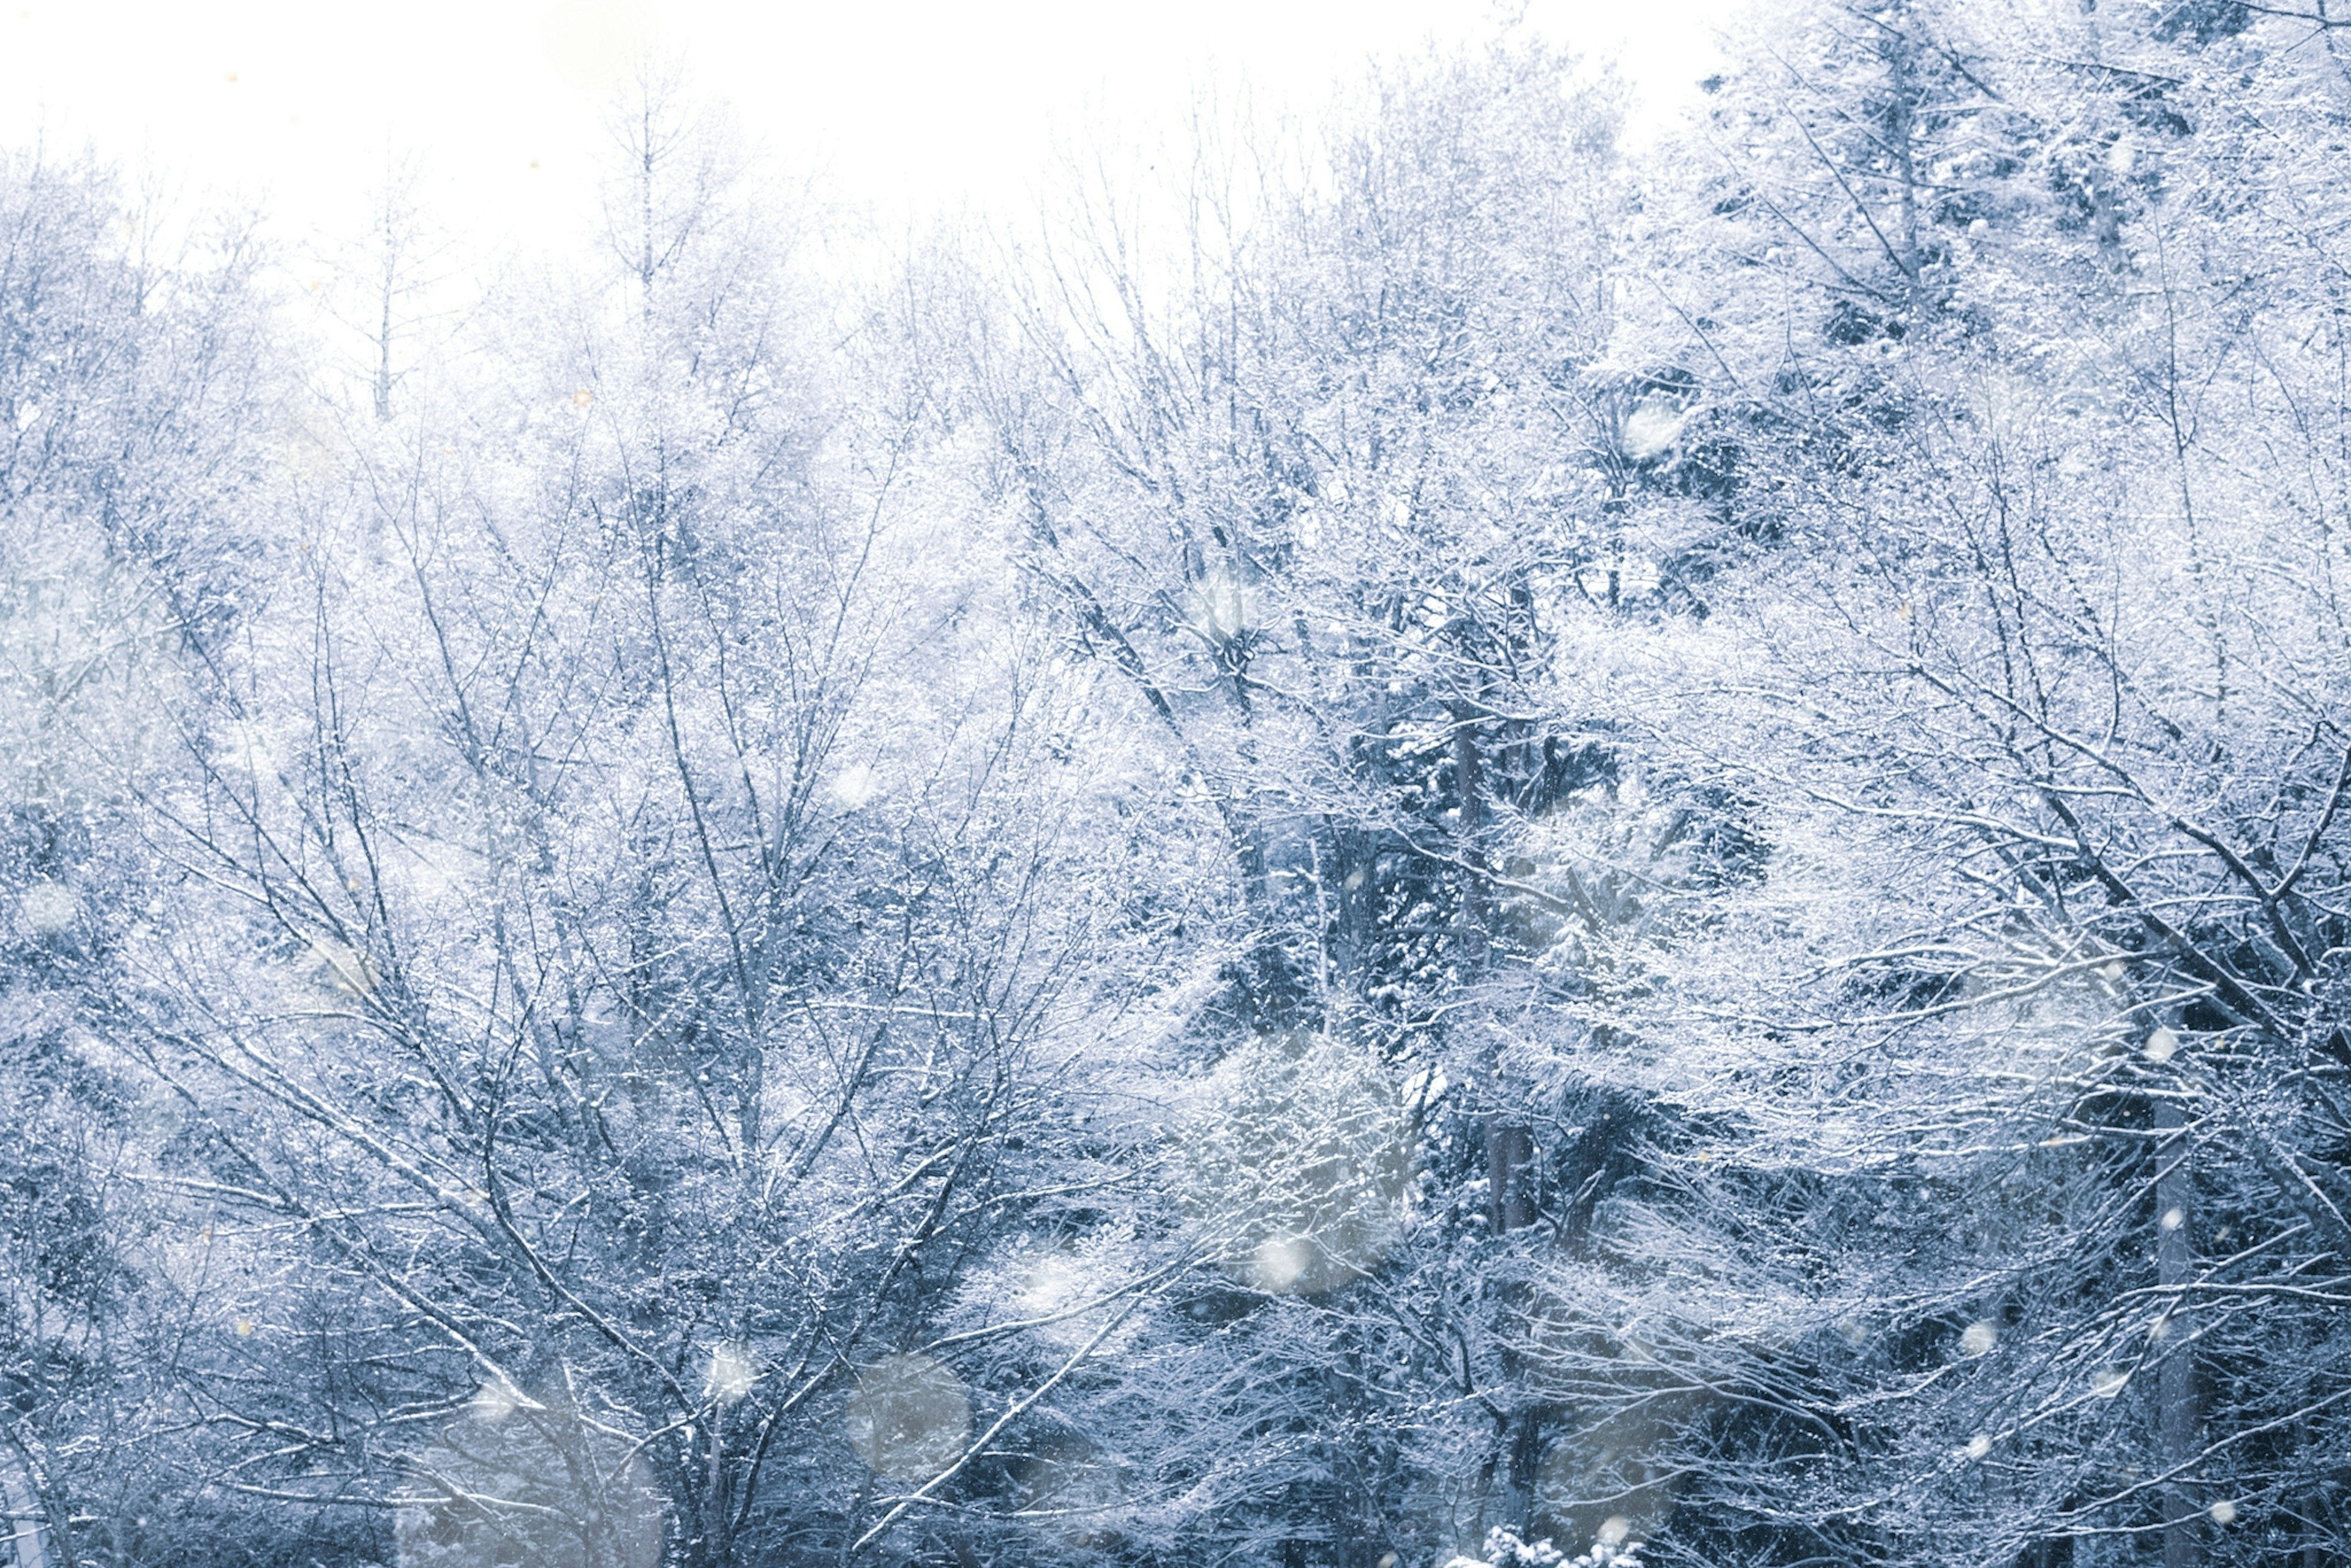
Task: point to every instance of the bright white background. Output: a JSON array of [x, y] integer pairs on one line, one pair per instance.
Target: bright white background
[[913, 109]]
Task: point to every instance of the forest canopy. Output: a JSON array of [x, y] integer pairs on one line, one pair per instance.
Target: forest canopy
[[1444, 835]]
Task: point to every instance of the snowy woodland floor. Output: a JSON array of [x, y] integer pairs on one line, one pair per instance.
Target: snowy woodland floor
[[1431, 838]]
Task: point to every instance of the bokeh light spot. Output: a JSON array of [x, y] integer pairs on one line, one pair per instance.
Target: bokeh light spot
[[908, 1418], [732, 1374]]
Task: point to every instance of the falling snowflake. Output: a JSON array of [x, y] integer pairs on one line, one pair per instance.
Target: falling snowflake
[[1278, 1261], [732, 1374], [48, 909], [1052, 1286], [853, 786], [908, 1418], [1650, 429], [496, 1399]]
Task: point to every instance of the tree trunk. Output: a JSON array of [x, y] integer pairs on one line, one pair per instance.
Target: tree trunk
[[2179, 1419], [383, 346], [1509, 1143]]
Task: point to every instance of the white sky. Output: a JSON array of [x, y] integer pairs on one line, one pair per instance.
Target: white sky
[[914, 107]]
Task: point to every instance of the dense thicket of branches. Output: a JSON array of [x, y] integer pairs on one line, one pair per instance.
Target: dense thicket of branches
[[1441, 838]]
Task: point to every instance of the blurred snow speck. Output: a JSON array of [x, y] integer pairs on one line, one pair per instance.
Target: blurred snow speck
[[1979, 1337], [554, 1491], [1650, 429], [1279, 1261], [48, 909], [855, 785], [908, 1418], [732, 1374], [1297, 1161], [1053, 1286], [496, 1400]]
